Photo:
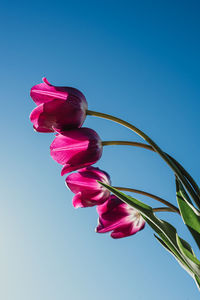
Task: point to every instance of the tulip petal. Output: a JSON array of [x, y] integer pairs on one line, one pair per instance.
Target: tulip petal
[[124, 231], [77, 201], [67, 168], [84, 184], [82, 199], [86, 180], [118, 217], [58, 115], [76, 149], [45, 92], [40, 122], [59, 108]]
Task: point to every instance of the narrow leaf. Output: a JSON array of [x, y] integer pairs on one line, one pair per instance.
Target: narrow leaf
[[197, 280], [190, 215], [192, 260], [165, 230]]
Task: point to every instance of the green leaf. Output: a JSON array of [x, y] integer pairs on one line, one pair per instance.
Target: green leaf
[[190, 215], [165, 230], [187, 246], [189, 255], [197, 280]]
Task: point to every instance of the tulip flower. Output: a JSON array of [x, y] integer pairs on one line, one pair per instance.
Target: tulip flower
[[118, 217], [76, 149], [58, 108], [88, 192]]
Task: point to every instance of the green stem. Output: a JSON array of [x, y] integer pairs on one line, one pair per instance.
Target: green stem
[[163, 209], [128, 143], [148, 147], [156, 148], [171, 206]]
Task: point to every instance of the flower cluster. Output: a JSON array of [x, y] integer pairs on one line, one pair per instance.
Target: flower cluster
[[63, 110]]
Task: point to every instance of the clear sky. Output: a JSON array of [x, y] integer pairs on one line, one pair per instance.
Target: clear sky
[[138, 60]]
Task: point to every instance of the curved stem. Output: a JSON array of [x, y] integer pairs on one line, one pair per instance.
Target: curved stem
[[128, 143], [173, 207], [156, 148], [148, 147], [163, 209]]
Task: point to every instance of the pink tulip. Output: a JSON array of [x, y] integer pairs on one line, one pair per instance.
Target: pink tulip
[[76, 149], [118, 217], [88, 192], [58, 108]]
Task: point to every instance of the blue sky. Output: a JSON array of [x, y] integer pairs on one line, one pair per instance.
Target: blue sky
[[138, 60]]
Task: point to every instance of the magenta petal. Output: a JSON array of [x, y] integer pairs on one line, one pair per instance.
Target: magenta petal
[[40, 123], [67, 168], [59, 108], [81, 181], [85, 200], [86, 180], [57, 115], [122, 232], [44, 79], [45, 92], [76, 149], [64, 148], [130, 229], [118, 217], [84, 184], [77, 201]]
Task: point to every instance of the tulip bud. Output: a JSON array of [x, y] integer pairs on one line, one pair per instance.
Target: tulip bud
[[120, 218], [76, 149], [88, 192], [58, 108]]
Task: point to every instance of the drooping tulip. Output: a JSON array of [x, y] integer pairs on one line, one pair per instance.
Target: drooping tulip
[[88, 192], [58, 108], [119, 218], [76, 149]]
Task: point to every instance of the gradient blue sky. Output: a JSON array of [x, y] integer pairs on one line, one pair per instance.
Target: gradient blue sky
[[138, 60]]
